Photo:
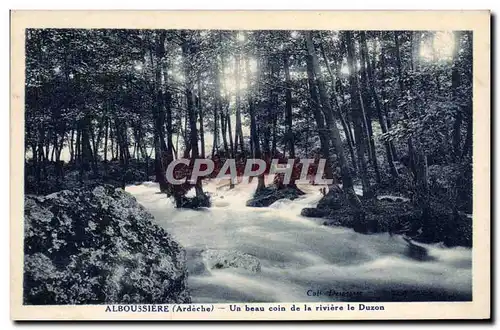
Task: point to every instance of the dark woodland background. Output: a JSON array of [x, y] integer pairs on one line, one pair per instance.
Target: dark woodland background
[[391, 112]]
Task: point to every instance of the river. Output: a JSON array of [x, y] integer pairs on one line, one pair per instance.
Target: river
[[301, 260]]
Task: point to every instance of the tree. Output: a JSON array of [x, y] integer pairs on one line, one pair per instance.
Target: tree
[[332, 126], [378, 107], [114, 100], [357, 113]]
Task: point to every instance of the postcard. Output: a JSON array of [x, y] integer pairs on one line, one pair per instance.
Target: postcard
[[250, 165]]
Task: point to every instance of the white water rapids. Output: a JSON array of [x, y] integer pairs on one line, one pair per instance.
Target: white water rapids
[[301, 259]]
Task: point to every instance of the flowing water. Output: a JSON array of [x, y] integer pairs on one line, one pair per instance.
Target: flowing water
[[301, 260]]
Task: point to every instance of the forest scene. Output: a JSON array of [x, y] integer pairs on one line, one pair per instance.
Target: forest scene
[[107, 111]]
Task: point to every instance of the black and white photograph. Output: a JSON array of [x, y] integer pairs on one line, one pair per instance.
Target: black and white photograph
[[222, 166]]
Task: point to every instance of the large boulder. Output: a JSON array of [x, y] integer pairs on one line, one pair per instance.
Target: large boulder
[[333, 200], [194, 202], [313, 212], [219, 259], [271, 194], [98, 246]]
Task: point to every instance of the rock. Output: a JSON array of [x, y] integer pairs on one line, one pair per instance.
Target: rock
[[194, 202], [459, 231], [219, 259], [329, 203], [314, 212], [262, 201], [271, 194], [366, 223], [333, 200], [196, 266], [332, 223], [98, 246], [416, 251]]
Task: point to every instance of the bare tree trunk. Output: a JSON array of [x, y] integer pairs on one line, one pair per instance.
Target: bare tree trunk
[[169, 130], [158, 50], [320, 120], [52, 154], [106, 140], [468, 139], [411, 151], [230, 133], [78, 150], [380, 114], [215, 145], [334, 98], [455, 85], [385, 108], [223, 128], [347, 182], [269, 114], [223, 118], [253, 126], [187, 51], [288, 108], [238, 134], [200, 114], [357, 113], [87, 156], [366, 106]]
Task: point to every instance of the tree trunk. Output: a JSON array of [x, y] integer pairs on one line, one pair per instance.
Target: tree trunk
[[411, 151], [347, 182], [52, 154], [253, 127], [215, 145], [238, 134], [78, 150], [230, 133], [223, 128], [200, 114], [366, 106], [187, 52], [106, 140], [378, 107], [158, 49], [41, 158], [320, 120], [468, 140], [455, 85], [72, 146], [223, 110], [384, 95], [87, 157], [288, 108], [334, 98], [357, 113]]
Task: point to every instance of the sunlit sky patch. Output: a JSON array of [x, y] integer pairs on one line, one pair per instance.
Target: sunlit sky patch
[[138, 66], [436, 46], [241, 36], [440, 47]]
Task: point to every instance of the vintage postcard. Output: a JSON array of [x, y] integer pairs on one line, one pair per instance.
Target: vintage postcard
[[267, 165]]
